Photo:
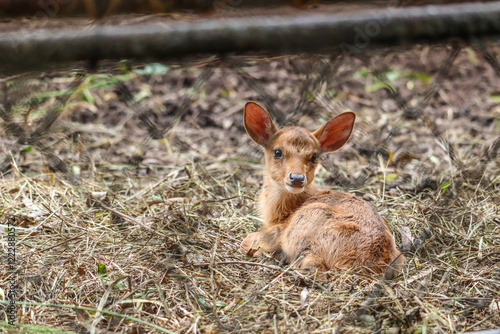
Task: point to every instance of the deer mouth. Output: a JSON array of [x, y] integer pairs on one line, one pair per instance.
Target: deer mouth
[[294, 189]]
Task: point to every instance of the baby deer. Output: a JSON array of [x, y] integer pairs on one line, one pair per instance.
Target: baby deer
[[328, 229]]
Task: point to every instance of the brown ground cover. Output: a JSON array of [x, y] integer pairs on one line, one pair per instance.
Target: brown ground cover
[[132, 187]]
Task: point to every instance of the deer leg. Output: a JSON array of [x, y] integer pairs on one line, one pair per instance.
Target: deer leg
[[311, 263], [266, 240]]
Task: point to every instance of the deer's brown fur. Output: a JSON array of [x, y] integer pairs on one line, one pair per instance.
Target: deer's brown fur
[[328, 229]]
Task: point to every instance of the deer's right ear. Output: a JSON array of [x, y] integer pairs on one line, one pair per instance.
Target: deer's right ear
[[258, 123]]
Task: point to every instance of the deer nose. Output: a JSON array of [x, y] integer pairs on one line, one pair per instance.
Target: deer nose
[[297, 180]]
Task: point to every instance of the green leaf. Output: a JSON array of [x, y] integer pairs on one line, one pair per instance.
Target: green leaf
[[363, 72], [391, 177], [124, 66], [424, 77], [101, 270], [120, 285], [418, 330], [208, 308], [495, 98], [445, 185], [105, 280], [141, 95], [203, 304], [27, 148], [88, 95], [151, 69], [103, 274], [393, 75], [472, 56], [377, 86], [109, 81]]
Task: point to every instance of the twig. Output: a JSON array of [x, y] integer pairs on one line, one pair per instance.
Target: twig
[[62, 242], [126, 217]]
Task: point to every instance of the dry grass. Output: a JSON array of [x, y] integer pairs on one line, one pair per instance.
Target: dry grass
[[116, 246]]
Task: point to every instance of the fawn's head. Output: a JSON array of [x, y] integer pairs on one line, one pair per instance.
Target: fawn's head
[[292, 153]]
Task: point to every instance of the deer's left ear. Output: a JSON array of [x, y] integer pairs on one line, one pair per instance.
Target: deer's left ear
[[335, 133]]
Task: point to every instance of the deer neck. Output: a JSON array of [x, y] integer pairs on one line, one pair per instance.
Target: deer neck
[[277, 204]]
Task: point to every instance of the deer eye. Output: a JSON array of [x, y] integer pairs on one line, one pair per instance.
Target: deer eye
[[278, 154], [313, 158]]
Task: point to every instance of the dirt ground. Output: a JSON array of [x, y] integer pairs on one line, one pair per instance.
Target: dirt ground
[[131, 187]]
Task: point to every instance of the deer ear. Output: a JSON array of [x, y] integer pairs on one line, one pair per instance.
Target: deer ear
[[258, 123], [335, 133]]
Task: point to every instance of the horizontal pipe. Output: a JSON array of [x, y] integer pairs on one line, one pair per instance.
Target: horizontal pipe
[[351, 33]]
